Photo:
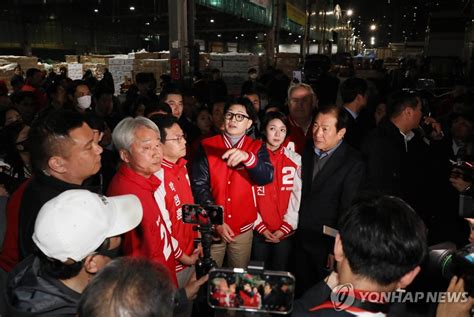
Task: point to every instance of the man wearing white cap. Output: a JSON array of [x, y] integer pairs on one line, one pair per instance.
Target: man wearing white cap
[[76, 234]]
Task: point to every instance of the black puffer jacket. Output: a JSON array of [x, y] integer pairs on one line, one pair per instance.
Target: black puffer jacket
[[30, 293]]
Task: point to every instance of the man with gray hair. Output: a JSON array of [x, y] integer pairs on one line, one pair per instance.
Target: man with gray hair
[[139, 145], [302, 101]]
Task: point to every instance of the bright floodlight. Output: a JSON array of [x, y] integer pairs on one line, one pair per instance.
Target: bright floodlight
[[350, 12], [373, 27]]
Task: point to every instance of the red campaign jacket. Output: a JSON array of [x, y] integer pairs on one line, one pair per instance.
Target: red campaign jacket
[[216, 183], [151, 239], [10, 255], [278, 202], [178, 192], [297, 137]]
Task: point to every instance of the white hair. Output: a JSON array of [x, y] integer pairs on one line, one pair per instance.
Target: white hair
[[124, 133], [300, 85]]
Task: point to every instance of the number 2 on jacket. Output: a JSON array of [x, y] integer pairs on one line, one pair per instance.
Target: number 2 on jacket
[[166, 244], [288, 173]]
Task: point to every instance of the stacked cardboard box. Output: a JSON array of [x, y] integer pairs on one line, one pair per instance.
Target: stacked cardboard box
[[121, 69], [234, 68], [95, 59], [125, 67], [156, 66], [9, 62], [145, 55], [24, 61], [71, 58]]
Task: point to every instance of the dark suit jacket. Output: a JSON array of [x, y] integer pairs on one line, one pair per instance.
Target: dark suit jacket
[[354, 132], [330, 194]]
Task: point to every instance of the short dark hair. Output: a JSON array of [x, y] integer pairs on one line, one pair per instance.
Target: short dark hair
[[351, 88], [129, 287], [47, 134], [71, 88], [153, 106], [382, 237], [250, 91], [400, 100], [341, 115], [244, 102], [213, 103], [95, 122], [164, 122], [269, 117], [62, 271], [57, 269], [53, 89], [17, 80], [31, 72], [172, 91]]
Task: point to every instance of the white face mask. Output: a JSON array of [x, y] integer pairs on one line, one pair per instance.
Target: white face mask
[[253, 76], [84, 102]]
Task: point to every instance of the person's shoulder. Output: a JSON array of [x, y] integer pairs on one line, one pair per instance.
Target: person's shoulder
[[292, 156], [211, 140], [29, 291]]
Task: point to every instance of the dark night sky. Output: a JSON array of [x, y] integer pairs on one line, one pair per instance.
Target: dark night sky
[[397, 20]]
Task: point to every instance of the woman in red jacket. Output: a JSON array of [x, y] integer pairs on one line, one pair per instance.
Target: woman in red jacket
[[278, 202]]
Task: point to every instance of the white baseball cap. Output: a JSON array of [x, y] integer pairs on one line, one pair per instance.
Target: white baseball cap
[[75, 223]]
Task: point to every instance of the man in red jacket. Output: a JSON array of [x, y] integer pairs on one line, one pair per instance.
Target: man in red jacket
[[225, 170], [139, 144], [302, 101], [177, 190]]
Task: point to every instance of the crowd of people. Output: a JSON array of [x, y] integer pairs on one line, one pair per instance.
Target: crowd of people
[[283, 164]]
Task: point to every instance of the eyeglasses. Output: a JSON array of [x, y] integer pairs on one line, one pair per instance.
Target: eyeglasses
[[178, 139], [238, 116]]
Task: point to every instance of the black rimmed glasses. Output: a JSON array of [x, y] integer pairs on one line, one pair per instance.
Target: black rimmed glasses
[[178, 139], [238, 116]]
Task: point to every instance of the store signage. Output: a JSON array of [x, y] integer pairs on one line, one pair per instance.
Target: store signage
[[294, 14]]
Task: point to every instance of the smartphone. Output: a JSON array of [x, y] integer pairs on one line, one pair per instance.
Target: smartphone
[[330, 231], [238, 289], [200, 215]]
